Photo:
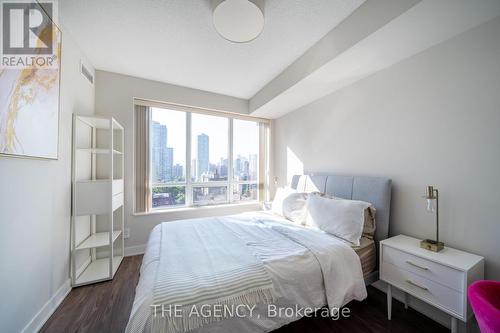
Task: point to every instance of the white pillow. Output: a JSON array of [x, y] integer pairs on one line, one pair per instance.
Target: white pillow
[[341, 218], [294, 207], [279, 197]]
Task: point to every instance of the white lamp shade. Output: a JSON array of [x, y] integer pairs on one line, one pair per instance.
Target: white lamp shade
[[238, 21]]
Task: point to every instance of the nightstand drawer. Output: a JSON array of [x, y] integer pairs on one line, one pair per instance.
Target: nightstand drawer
[[448, 299], [427, 269]]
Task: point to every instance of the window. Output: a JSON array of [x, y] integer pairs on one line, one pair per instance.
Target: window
[[202, 159], [168, 157], [245, 160]]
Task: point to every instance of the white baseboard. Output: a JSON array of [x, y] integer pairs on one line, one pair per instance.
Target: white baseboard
[[48, 309], [135, 250]]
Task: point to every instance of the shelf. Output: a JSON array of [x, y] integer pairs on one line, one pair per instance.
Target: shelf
[[99, 151], [83, 181], [100, 122], [98, 270], [97, 240]]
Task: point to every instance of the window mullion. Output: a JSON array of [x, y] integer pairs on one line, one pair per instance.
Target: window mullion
[[189, 188], [230, 171]]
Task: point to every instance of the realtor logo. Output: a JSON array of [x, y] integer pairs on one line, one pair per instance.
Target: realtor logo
[[27, 28], [28, 34]]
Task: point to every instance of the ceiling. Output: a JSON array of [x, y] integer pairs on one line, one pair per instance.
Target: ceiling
[[174, 41], [393, 30]]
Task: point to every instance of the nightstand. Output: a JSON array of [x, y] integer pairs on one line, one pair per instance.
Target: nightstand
[[437, 278]]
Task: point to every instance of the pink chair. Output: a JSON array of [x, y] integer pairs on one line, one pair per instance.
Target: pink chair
[[484, 296]]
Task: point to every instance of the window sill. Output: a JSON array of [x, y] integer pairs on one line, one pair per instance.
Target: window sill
[[256, 204]]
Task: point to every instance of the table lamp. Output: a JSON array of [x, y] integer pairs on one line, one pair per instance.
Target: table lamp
[[429, 244]]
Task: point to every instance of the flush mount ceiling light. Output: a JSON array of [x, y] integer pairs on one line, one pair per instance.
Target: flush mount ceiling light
[[238, 21]]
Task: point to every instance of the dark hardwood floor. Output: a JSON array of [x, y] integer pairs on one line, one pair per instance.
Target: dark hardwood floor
[[105, 307]]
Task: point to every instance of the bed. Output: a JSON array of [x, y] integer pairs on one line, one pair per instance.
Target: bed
[[298, 272]]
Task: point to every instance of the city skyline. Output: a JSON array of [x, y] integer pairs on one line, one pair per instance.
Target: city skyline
[[164, 170], [215, 127], [209, 150]]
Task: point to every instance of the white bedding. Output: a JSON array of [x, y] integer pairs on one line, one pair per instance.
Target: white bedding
[[296, 259]]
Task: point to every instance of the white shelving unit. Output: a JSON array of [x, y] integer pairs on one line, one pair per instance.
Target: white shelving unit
[[97, 222]]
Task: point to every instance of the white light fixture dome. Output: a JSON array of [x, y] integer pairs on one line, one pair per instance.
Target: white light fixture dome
[[238, 21]]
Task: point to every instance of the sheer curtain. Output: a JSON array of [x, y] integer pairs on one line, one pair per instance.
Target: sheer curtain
[[142, 158]]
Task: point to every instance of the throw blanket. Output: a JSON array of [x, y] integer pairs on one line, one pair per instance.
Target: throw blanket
[[203, 262], [340, 265], [343, 277]]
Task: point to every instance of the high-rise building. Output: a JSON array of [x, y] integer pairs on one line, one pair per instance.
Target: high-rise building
[[177, 172], [159, 151], [169, 163], [246, 170], [212, 168], [223, 168], [203, 155], [237, 167]]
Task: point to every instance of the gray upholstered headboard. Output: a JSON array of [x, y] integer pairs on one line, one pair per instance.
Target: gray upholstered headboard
[[375, 190]]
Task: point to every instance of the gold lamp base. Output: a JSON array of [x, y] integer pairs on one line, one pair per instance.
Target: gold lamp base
[[432, 245]]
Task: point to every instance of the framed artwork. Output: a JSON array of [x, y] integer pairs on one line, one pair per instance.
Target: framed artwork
[[29, 83]]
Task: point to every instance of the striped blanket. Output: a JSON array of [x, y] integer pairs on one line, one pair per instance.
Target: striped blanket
[[204, 263]]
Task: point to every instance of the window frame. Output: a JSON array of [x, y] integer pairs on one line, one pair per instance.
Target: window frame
[[230, 183]]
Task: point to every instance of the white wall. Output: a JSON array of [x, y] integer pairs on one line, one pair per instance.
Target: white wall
[[35, 197], [431, 119], [114, 96]]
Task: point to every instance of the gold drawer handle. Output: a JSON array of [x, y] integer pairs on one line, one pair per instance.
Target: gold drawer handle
[[415, 265], [417, 285]]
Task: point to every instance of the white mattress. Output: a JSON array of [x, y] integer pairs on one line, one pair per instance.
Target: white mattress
[[294, 270]]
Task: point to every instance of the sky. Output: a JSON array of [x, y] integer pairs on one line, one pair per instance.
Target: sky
[[215, 127]]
